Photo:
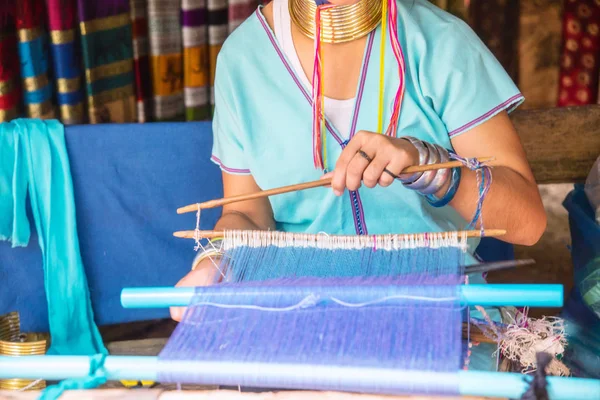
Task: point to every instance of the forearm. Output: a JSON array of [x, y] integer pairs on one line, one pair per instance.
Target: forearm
[[513, 203], [236, 220]]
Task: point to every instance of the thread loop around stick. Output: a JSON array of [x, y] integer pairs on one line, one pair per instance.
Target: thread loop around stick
[[484, 182]]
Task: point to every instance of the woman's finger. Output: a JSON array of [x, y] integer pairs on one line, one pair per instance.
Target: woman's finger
[[373, 173], [395, 166], [338, 182], [328, 175], [355, 170]]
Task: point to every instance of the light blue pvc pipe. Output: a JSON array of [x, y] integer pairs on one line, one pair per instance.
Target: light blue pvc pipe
[[516, 295], [289, 376]]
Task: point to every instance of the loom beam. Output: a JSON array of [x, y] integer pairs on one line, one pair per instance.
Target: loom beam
[[315, 377], [516, 295]]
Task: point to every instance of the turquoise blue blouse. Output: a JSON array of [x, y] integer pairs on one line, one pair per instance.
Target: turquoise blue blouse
[[262, 121]]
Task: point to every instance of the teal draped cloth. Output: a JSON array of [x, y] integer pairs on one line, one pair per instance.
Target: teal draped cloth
[[34, 161]]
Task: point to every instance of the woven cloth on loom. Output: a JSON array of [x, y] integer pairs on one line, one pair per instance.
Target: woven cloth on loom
[[66, 59], [10, 87], [580, 58], [108, 58], [166, 55], [35, 59], [369, 310]]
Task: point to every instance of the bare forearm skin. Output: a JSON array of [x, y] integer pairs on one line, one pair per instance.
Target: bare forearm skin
[[513, 203]]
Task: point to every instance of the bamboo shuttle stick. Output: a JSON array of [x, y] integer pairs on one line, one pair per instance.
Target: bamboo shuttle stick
[[310, 185], [469, 234]]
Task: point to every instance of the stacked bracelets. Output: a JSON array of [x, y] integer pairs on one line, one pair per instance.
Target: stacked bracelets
[[430, 182]]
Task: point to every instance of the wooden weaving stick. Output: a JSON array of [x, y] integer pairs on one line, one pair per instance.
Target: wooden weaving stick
[[220, 234], [310, 185]]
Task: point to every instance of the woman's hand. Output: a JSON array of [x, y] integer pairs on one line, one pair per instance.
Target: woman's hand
[[368, 157], [205, 274]]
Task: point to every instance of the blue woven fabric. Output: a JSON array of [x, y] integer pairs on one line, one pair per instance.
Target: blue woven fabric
[[376, 326]]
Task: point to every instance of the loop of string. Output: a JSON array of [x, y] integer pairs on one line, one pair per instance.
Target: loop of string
[[484, 182]]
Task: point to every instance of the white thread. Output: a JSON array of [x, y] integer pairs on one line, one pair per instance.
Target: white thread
[[384, 299], [312, 300], [213, 252], [197, 230], [309, 301], [390, 242], [521, 342]]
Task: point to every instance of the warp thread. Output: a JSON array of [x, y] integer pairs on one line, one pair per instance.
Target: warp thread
[[254, 256], [377, 326]]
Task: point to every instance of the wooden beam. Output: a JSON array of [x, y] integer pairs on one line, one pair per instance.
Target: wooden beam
[[561, 144]]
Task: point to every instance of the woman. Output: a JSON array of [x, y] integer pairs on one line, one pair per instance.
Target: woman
[[457, 96]]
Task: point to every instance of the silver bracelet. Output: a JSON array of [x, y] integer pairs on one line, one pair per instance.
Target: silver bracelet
[[423, 158], [441, 175], [427, 177]]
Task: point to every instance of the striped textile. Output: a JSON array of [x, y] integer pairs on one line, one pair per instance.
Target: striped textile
[[108, 58], [141, 62], [10, 85], [239, 11], [34, 58], [195, 59], [65, 49], [218, 29], [166, 58], [580, 53]]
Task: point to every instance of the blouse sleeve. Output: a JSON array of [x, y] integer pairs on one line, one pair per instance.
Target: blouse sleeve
[[228, 150], [464, 82]]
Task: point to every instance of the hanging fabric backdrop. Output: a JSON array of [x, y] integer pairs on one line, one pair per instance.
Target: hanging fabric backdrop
[[96, 61]]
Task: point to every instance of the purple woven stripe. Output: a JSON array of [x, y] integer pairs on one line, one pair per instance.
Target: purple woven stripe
[[361, 214], [94, 9], [193, 17], [508, 104], [216, 160]]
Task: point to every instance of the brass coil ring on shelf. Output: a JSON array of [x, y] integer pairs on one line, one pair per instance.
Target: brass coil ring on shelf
[[14, 343]]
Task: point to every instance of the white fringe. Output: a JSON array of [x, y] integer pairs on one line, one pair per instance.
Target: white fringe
[[257, 239]]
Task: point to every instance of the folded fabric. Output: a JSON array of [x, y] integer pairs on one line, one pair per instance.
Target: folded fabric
[[35, 165]]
